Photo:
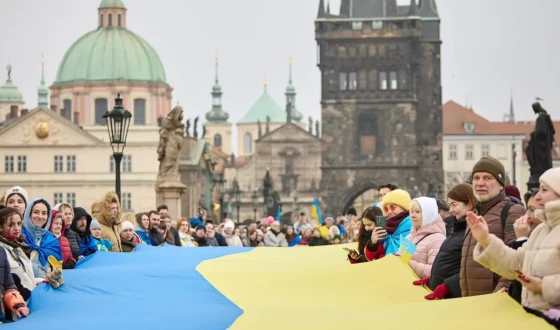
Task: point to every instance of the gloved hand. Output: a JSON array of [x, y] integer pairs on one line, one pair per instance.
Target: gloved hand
[[440, 292], [54, 276], [423, 281]]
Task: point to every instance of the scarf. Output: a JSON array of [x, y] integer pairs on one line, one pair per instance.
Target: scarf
[[87, 246], [402, 226], [484, 207], [48, 246], [15, 242]]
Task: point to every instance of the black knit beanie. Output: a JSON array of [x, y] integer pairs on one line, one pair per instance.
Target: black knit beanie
[[493, 166]]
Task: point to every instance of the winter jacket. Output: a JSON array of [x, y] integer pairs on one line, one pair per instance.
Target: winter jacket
[[86, 245], [428, 241], [187, 240], [144, 236], [128, 246], [68, 261], [6, 280], [103, 244], [538, 258], [233, 240], [317, 241], [176, 238], [101, 210], [156, 238], [447, 265], [74, 241], [221, 239], [475, 279], [21, 266], [274, 239]]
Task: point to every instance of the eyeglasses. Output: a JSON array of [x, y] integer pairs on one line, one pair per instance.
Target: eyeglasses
[[389, 207]]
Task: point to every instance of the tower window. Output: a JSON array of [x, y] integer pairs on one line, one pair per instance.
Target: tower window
[[110, 20], [248, 143], [100, 20], [139, 112], [67, 105], [100, 109], [393, 79], [217, 140], [119, 20], [318, 54], [383, 80], [367, 129], [342, 81], [356, 25]]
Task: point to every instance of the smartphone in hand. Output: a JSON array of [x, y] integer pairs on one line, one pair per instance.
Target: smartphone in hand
[[381, 221]]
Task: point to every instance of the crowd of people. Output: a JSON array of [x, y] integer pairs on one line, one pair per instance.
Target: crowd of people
[[484, 238]]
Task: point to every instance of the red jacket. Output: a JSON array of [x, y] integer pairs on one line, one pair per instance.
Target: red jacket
[[370, 255], [68, 261]]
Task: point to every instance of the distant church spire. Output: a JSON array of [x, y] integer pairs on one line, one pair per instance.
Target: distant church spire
[[43, 90], [265, 83], [511, 115], [291, 96], [217, 114]]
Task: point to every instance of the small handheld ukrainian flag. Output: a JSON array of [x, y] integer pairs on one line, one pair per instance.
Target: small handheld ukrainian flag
[[406, 250], [316, 211]]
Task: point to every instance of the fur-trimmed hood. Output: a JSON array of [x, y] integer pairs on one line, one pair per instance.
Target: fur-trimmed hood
[[101, 210]]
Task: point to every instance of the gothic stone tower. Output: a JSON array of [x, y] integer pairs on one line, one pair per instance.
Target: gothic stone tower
[[381, 98]]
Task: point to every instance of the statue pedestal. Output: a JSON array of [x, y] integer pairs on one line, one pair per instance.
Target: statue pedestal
[[169, 193]]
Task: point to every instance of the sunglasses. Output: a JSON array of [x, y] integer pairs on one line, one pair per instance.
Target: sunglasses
[[389, 207]]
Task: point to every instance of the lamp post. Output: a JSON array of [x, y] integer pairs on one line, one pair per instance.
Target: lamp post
[[255, 199], [238, 193], [220, 182], [118, 121]]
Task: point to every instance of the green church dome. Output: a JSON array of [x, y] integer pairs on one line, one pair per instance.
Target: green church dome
[[111, 53], [265, 106], [10, 93]]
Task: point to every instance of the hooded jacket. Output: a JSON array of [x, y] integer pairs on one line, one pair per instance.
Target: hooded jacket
[[101, 210], [40, 240], [87, 245], [68, 261], [428, 238]]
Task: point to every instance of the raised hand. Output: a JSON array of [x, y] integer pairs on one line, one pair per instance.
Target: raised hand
[[479, 229], [377, 234], [521, 227]]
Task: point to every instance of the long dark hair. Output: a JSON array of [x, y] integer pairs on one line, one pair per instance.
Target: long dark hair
[[370, 213]]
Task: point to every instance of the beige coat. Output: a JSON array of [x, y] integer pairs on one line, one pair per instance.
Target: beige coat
[[539, 257], [110, 228]]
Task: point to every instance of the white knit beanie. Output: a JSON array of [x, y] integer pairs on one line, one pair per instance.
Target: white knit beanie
[[552, 179]]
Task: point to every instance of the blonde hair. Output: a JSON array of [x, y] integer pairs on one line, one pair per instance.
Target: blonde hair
[[415, 206]]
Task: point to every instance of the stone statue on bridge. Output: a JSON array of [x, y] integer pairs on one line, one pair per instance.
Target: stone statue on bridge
[[539, 149]]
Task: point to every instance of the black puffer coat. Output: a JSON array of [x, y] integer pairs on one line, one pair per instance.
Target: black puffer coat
[[74, 240], [447, 266]]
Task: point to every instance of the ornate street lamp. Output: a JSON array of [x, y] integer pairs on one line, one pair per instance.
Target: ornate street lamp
[[255, 199], [118, 121], [221, 182], [238, 193]]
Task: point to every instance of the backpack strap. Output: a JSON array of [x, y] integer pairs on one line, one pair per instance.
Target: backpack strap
[[505, 213], [421, 239]]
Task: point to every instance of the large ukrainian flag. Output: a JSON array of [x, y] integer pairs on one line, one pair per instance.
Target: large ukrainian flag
[[264, 288]]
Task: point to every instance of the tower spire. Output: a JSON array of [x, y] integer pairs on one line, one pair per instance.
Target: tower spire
[[291, 96], [217, 114], [412, 9], [328, 7], [321, 12], [42, 90], [511, 110]]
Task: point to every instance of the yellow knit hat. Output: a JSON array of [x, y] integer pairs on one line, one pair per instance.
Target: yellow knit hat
[[398, 197]]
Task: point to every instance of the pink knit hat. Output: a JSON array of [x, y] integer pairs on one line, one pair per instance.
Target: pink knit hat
[[269, 220]]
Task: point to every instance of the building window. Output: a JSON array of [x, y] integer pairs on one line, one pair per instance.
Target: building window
[[100, 109], [377, 25], [452, 151], [110, 20], [58, 164], [119, 20], [393, 79], [58, 198], [126, 201], [126, 164], [247, 143], [469, 151], [372, 51], [71, 163], [67, 105], [362, 79], [342, 51], [356, 25], [139, 112], [485, 150], [352, 81], [101, 20], [383, 80], [318, 54], [9, 164], [22, 163], [342, 81], [217, 140], [71, 199], [367, 128], [372, 79]]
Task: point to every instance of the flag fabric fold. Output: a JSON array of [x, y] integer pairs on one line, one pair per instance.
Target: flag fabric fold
[[315, 212]]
